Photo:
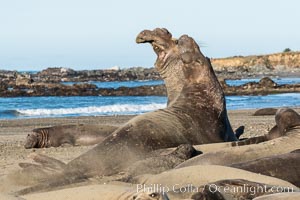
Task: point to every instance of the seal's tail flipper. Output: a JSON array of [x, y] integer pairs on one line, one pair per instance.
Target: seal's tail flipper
[[239, 131], [42, 169], [48, 162]]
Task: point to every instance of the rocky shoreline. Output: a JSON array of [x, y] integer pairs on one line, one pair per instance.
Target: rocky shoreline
[[27, 87], [49, 82], [278, 64]]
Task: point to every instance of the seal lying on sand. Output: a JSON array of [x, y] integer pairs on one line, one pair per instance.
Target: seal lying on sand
[[284, 166], [236, 189], [56, 136], [288, 123], [197, 116], [203, 174], [265, 111], [110, 191], [285, 118]]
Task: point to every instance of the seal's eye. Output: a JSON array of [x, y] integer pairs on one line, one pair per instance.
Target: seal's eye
[[28, 135], [153, 195]]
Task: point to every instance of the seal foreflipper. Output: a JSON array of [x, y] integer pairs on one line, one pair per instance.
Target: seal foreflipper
[[239, 131]]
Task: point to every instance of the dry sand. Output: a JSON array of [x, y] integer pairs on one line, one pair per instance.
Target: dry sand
[[13, 134]]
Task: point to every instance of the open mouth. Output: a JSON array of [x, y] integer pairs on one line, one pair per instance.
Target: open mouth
[[155, 45], [159, 50], [158, 46]]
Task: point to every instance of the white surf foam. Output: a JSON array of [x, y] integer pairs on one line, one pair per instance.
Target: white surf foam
[[110, 109]]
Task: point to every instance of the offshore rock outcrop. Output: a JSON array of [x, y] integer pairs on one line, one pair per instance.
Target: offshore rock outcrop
[[54, 89], [47, 82], [263, 87], [277, 64], [56, 75]]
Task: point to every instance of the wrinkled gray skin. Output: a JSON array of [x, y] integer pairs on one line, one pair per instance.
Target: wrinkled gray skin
[[287, 139], [284, 166], [56, 136], [197, 116]]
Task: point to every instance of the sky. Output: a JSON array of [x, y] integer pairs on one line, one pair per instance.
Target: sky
[[99, 34]]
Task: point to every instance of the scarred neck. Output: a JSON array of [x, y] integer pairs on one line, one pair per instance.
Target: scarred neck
[[173, 77]]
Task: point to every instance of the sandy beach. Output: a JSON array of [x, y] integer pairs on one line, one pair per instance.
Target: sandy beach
[[13, 134]]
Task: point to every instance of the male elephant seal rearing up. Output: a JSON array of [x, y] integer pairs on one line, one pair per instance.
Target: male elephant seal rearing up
[[196, 116]]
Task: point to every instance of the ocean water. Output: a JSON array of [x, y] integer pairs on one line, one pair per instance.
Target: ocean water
[[33, 107], [29, 72]]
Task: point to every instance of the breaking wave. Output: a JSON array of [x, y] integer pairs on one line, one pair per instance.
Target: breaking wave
[[96, 110]]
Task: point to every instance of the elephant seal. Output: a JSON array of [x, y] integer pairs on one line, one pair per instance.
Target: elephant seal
[[110, 191], [236, 189], [197, 115], [265, 111], [287, 127], [285, 118], [67, 134], [284, 166], [204, 174], [232, 155], [174, 58]]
